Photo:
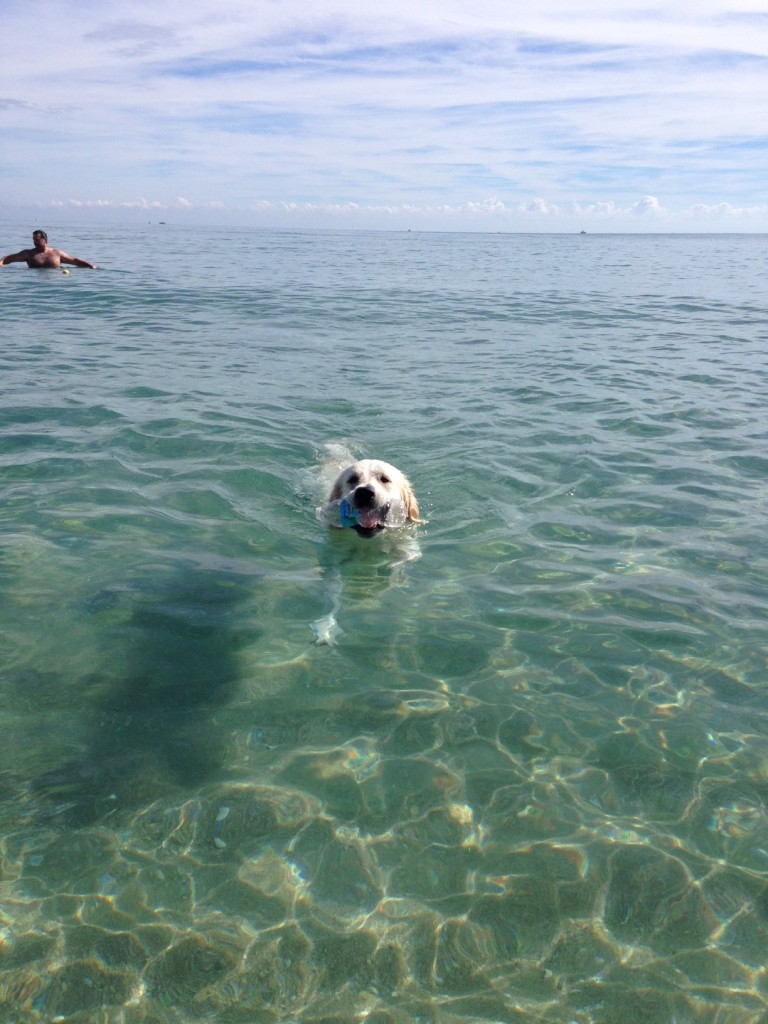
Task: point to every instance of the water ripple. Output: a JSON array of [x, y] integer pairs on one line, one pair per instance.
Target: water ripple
[[529, 780]]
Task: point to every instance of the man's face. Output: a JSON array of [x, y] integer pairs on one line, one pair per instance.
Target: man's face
[[38, 240]]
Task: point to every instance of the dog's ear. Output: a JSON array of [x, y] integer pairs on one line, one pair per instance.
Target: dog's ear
[[337, 493], [411, 505]]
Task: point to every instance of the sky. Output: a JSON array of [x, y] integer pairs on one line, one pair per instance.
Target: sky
[[466, 115]]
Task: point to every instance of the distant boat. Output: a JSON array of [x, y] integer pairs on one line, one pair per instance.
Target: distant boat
[[582, 232]]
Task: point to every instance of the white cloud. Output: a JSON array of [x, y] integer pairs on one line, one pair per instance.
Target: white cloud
[[540, 206], [542, 115], [647, 205], [726, 210], [489, 214]]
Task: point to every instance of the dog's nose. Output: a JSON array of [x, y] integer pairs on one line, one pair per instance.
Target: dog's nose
[[364, 496]]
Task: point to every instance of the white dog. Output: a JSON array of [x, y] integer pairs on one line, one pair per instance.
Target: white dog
[[369, 496]]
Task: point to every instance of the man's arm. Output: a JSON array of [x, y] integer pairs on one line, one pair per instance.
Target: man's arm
[[15, 257], [75, 261]]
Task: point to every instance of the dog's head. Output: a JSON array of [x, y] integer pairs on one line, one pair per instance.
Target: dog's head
[[377, 494]]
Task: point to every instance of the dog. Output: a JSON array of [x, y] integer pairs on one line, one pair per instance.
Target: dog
[[369, 496]]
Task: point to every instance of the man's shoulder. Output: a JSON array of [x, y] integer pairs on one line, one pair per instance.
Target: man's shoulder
[[17, 257]]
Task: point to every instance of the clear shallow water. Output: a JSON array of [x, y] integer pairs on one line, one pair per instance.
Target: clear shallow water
[[529, 781]]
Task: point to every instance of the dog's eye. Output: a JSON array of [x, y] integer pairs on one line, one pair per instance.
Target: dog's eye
[[384, 478], [353, 480]]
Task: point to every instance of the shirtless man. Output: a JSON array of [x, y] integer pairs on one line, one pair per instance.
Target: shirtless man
[[43, 257]]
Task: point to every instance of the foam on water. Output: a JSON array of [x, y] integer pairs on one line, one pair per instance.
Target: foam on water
[[525, 779]]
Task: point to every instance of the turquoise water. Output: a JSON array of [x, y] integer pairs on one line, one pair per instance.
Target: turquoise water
[[529, 781]]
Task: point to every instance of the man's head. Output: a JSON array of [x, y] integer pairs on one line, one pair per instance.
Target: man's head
[[40, 238]]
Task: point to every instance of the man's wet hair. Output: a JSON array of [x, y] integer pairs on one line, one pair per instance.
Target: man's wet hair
[[41, 233]]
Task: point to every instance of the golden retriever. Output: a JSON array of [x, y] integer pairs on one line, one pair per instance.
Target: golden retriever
[[370, 495]]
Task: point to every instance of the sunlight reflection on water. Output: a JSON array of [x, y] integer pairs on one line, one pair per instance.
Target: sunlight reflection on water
[[528, 781]]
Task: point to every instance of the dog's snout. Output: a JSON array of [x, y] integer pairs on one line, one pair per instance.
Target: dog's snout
[[365, 496]]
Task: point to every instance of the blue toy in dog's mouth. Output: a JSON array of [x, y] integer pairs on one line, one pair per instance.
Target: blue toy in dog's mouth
[[365, 521]]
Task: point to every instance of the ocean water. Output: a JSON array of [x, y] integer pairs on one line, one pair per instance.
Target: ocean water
[[529, 780]]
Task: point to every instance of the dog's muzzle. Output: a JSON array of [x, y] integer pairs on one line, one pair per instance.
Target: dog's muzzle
[[371, 518]]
